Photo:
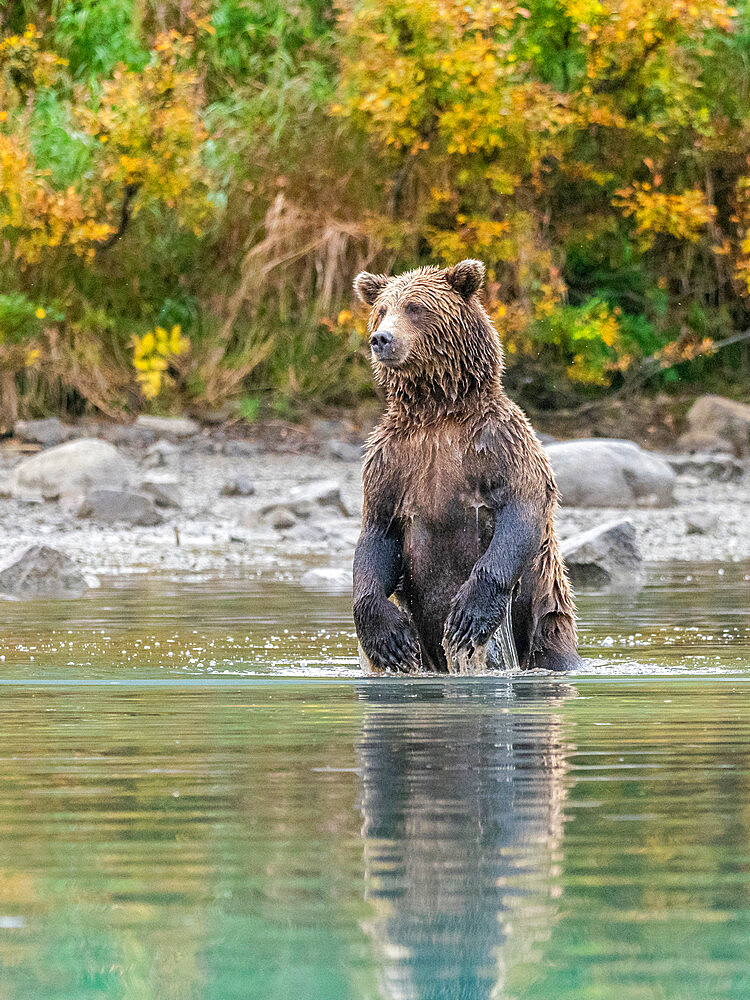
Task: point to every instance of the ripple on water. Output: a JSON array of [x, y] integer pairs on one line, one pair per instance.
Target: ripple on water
[[685, 619]]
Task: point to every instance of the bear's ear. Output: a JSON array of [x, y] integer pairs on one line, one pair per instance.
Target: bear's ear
[[369, 286], [466, 277]]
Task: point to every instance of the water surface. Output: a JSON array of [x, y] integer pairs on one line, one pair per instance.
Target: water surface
[[271, 825], [685, 618]]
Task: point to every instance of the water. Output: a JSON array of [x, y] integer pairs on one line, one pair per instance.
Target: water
[[270, 825]]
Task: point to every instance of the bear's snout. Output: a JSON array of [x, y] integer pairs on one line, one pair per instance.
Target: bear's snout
[[382, 345]]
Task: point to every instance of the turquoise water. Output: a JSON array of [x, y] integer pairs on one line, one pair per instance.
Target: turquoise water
[[271, 825]]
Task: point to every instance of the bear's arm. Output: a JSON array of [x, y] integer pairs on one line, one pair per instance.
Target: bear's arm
[[382, 628], [519, 524], [479, 606], [521, 503], [517, 478]]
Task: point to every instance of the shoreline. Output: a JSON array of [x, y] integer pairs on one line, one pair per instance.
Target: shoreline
[[214, 534]]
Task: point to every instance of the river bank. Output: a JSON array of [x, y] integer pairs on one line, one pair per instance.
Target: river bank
[[211, 532]]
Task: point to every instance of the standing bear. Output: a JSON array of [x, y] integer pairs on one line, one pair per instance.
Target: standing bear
[[459, 497]]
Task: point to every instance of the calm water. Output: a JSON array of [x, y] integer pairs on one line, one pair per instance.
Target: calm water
[[200, 798]]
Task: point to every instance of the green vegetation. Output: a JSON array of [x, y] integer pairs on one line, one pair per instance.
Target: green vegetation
[[219, 171]]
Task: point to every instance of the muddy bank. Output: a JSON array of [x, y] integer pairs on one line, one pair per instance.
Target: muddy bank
[[214, 533]]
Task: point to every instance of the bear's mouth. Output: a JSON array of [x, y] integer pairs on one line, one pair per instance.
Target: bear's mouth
[[389, 361], [392, 356]]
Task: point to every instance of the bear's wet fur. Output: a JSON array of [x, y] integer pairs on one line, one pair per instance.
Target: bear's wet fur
[[459, 497]]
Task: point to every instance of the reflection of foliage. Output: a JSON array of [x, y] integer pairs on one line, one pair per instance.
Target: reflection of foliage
[[228, 165], [145, 891]]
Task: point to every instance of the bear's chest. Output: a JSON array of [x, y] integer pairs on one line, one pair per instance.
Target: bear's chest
[[440, 487]]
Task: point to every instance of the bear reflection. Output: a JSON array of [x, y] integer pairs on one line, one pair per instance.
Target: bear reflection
[[462, 790]]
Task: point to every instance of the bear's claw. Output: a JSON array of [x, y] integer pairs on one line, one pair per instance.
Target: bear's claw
[[474, 617], [390, 644]]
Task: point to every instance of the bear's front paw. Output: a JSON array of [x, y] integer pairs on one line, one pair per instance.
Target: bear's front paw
[[475, 615], [387, 639]]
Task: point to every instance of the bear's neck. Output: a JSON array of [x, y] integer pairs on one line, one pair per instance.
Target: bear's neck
[[431, 397]]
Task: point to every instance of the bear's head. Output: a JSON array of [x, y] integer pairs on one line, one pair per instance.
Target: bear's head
[[428, 331]]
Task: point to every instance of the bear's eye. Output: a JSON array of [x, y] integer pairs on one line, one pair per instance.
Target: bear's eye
[[380, 315], [414, 310]]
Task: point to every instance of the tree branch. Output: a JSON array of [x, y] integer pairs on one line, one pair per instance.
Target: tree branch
[[649, 366], [615, 83], [131, 190]]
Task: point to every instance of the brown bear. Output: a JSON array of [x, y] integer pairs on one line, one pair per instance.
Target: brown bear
[[459, 496]]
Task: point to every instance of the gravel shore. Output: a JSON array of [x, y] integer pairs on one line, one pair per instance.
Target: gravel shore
[[216, 534]]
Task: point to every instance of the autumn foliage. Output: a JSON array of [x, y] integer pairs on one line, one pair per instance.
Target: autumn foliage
[[210, 175]]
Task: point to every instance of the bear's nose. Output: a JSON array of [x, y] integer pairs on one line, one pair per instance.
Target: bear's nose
[[381, 340]]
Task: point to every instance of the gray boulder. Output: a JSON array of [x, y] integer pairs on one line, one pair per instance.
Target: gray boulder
[[306, 533], [48, 433], [280, 518], [70, 468], [609, 473], [163, 489], [344, 451], [722, 468], [240, 486], [40, 571], [717, 424], [701, 523], [605, 555], [119, 507], [323, 493], [173, 428], [240, 449], [328, 578], [162, 455], [342, 534], [303, 501], [123, 435]]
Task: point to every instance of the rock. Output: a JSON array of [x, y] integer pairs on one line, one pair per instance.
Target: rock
[[6, 491], [240, 486], [162, 454], [281, 518], [700, 523], [327, 429], [341, 534], [306, 533], [302, 500], [693, 442], [343, 451], [323, 493], [212, 418], [164, 490], [610, 473], [722, 468], [70, 468], [606, 554], [119, 507], [48, 433], [124, 435], [717, 424], [172, 428], [240, 449], [40, 571], [328, 578]]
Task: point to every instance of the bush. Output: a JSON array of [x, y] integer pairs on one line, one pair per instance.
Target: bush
[[226, 166]]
